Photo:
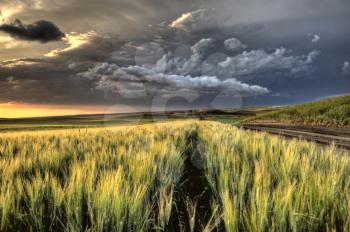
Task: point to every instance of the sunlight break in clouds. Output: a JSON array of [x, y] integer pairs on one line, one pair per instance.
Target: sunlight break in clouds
[[193, 20], [74, 40]]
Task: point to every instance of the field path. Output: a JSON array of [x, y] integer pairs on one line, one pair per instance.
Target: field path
[[322, 135]]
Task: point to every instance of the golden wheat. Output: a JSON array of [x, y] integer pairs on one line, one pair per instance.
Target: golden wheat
[[91, 179], [124, 179], [266, 183]]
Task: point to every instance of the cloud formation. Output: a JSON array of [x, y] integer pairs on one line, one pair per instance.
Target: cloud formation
[[41, 31], [234, 44], [252, 64], [167, 77], [140, 81], [315, 38], [74, 41], [258, 62], [158, 38], [192, 65], [346, 68]]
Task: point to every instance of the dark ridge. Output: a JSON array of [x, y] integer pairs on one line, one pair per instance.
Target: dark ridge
[[193, 187]]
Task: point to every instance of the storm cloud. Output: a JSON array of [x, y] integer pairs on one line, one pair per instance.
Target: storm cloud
[[140, 81], [259, 62], [41, 31], [259, 50]]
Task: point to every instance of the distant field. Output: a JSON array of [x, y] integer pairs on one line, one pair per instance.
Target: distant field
[[334, 112], [186, 175], [88, 121], [81, 121]]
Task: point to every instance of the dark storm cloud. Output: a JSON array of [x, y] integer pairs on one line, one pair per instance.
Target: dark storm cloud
[[53, 79], [44, 82], [42, 31]]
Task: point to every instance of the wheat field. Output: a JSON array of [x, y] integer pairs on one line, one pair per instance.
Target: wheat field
[[127, 178], [266, 183]]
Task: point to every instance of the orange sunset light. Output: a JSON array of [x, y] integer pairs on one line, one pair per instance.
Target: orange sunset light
[[23, 110]]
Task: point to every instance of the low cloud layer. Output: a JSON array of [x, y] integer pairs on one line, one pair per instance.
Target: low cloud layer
[[41, 31], [139, 82], [168, 77]]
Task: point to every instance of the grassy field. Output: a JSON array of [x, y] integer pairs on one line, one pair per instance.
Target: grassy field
[[143, 178], [265, 183], [83, 121], [91, 179], [334, 112]]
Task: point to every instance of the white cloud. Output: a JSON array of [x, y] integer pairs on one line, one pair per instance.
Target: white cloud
[[194, 20], [182, 66], [346, 68], [315, 38], [252, 63], [234, 44], [258, 62], [198, 54], [140, 81], [312, 56]]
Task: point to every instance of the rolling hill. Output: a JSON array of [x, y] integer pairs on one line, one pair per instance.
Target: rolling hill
[[333, 112]]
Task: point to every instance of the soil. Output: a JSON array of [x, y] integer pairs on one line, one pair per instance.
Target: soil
[[193, 187]]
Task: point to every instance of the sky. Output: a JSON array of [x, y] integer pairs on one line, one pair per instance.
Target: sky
[[87, 56]]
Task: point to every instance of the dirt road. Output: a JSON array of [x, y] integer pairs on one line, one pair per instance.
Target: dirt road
[[322, 135]]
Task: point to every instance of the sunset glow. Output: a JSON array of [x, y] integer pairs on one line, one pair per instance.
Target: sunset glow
[[21, 110]]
